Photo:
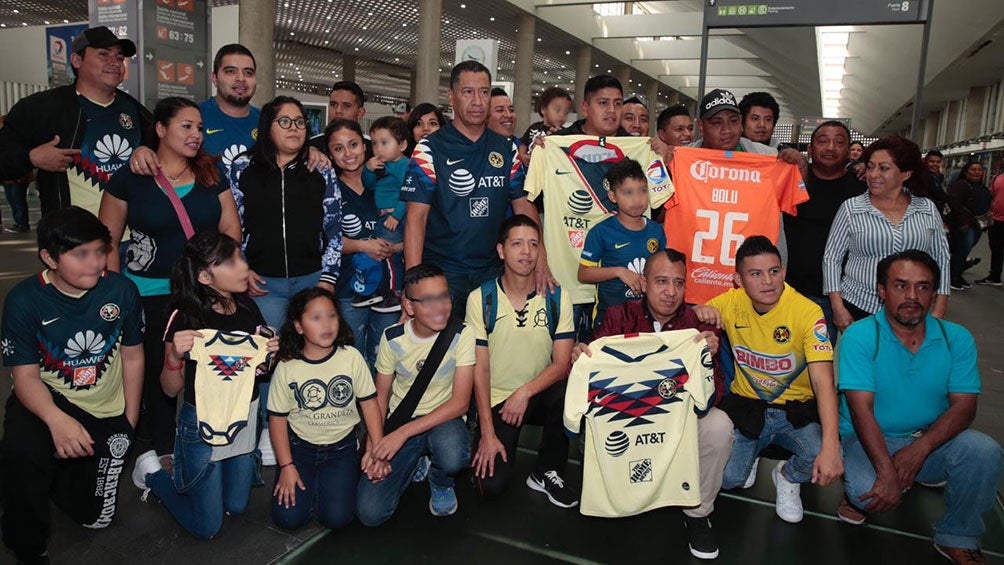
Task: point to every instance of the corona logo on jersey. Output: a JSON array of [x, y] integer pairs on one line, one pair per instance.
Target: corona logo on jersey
[[706, 170]]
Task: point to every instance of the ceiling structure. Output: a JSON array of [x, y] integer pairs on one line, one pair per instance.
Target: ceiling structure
[[659, 40]]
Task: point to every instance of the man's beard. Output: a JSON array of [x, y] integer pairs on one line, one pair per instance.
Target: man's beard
[[237, 100]]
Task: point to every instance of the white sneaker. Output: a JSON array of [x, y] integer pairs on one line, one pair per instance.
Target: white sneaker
[[146, 464], [751, 478], [265, 447], [789, 497]]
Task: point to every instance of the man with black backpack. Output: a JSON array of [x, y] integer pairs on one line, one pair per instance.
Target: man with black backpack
[[524, 341]]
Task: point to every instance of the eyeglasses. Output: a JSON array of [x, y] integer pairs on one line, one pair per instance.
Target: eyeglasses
[[428, 301], [287, 122]]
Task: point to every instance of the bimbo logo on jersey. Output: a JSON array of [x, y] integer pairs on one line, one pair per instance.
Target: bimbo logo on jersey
[[773, 365], [706, 170]]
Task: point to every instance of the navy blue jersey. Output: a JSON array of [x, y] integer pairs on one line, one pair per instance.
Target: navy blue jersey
[[469, 185], [359, 217], [226, 136], [74, 340]]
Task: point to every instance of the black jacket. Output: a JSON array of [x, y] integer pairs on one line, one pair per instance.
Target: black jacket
[[34, 120]]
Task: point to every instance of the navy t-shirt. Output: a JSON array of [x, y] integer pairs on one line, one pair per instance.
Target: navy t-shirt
[[359, 217], [226, 136], [469, 185], [157, 236]]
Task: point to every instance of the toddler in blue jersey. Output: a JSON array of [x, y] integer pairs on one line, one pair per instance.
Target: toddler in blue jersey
[[384, 175], [312, 412], [614, 253]]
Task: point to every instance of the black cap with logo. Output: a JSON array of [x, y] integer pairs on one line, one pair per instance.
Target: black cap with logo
[[716, 101], [101, 37]]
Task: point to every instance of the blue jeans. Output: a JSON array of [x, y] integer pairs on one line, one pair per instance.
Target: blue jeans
[[330, 475], [824, 303], [201, 490], [970, 463], [280, 290], [390, 236], [395, 264], [449, 448], [960, 243], [803, 442], [17, 196], [367, 327]]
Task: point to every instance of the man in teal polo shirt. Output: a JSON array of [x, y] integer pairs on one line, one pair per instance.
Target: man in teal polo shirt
[[910, 386]]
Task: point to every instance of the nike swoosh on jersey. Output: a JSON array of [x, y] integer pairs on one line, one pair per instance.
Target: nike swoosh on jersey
[[47, 322], [212, 131], [738, 327], [451, 162], [621, 245], [559, 172]]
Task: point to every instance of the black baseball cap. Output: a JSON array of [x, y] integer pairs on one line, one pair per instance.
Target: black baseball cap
[[716, 101], [101, 36]]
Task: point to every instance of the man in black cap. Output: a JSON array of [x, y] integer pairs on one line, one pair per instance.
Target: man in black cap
[[77, 135]]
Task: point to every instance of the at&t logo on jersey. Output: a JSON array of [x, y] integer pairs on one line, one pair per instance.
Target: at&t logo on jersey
[[617, 443], [706, 170], [462, 182]]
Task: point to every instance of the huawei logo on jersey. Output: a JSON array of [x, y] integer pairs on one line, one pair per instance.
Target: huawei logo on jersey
[[706, 170]]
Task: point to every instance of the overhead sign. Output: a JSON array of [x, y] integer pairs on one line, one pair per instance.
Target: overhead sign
[[809, 123], [175, 50], [122, 18], [754, 13], [57, 50]]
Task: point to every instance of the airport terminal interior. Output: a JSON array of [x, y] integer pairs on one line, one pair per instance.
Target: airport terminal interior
[[861, 62]]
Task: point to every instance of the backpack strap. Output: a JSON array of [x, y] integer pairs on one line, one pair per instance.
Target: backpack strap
[[489, 303]]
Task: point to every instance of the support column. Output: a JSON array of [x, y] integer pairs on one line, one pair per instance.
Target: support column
[[526, 38], [623, 73], [652, 93], [411, 91], [973, 124], [583, 67], [429, 36], [257, 22], [931, 130], [349, 67]]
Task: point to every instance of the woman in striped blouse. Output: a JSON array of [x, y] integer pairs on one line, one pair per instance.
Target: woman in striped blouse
[[891, 216]]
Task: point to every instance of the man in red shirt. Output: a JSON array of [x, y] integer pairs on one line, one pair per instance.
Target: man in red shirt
[[996, 232], [664, 309]]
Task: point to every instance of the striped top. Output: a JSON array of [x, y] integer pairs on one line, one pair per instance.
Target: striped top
[[863, 235]]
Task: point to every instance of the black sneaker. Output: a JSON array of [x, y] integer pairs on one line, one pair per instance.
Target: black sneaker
[[702, 538], [960, 284], [551, 484], [364, 301], [989, 281], [390, 303], [971, 262]]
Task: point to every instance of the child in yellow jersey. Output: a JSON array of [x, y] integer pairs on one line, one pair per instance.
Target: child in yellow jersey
[[783, 392], [312, 416]]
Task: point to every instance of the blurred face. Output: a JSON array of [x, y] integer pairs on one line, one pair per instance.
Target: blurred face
[[288, 141], [855, 152], [319, 323], [908, 292], [385, 146], [631, 197], [556, 112], [678, 132], [883, 174], [759, 124], [471, 97], [426, 125], [762, 277], [664, 285], [502, 117], [720, 131], [829, 148], [236, 79], [183, 133], [975, 173], [344, 104], [229, 277], [933, 164], [347, 150], [428, 302], [78, 269], [634, 118], [602, 111], [100, 67], [520, 250]]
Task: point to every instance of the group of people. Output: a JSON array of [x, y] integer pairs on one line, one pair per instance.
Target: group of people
[[338, 306]]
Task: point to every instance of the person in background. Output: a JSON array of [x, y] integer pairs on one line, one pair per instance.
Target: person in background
[[634, 116], [759, 113], [553, 106], [854, 151], [969, 203], [423, 120], [16, 193], [675, 126], [995, 233]]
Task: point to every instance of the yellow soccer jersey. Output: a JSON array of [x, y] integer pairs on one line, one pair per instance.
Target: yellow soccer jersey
[[226, 363], [638, 395], [772, 351], [569, 171], [520, 345], [402, 354], [318, 398]]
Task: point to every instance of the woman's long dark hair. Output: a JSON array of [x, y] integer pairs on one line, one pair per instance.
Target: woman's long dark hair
[[192, 299], [264, 149], [290, 341], [416, 115], [202, 164]]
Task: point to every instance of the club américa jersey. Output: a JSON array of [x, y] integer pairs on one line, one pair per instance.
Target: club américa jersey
[[638, 394], [111, 135], [721, 198], [569, 170], [226, 365], [74, 340], [225, 136], [469, 185], [772, 350]]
